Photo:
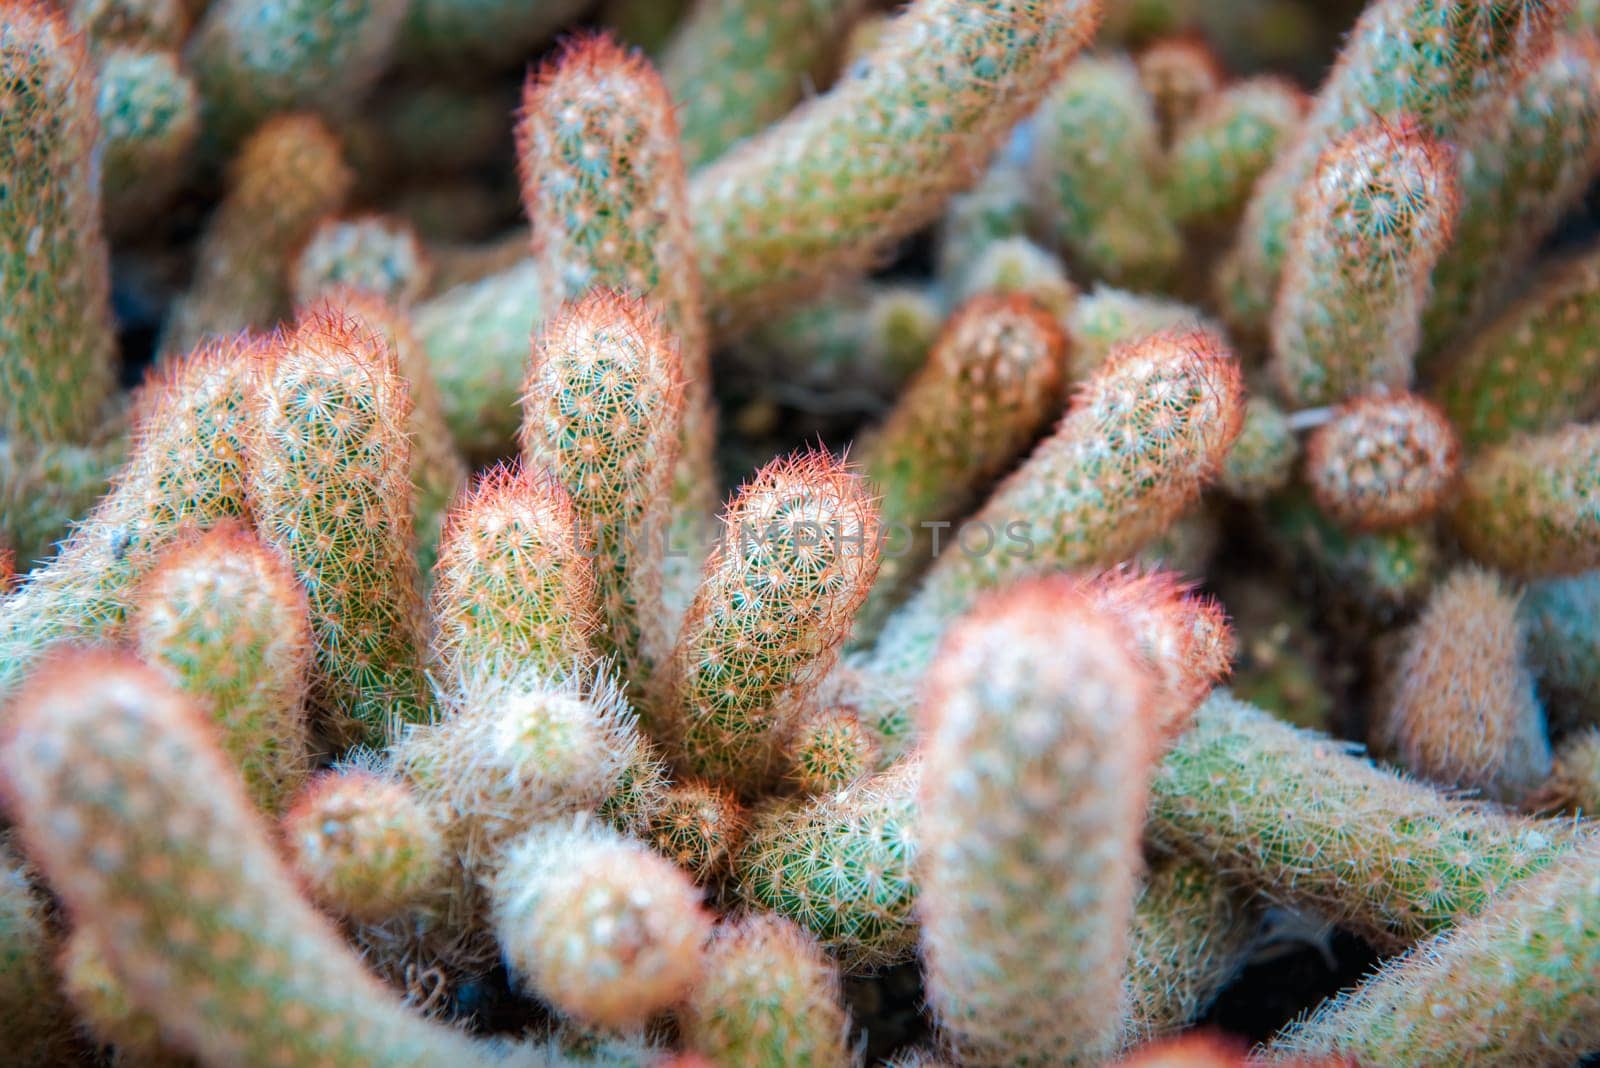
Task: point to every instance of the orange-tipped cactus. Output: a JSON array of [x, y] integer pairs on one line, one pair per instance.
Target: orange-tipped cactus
[[1039, 744], [288, 176], [1382, 461], [1463, 711], [1143, 436], [1372, 222], [602, 410], [795, 561], [830, 749], [329, 484], [698, 826], [1529, 505], [363, 845], [604, 187], [183, 888], [514, 584], [56, 343], [993, 380], [225, 619], [601, 927]]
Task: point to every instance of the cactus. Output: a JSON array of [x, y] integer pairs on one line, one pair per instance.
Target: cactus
[[1513, 986], [606, 930], [604, 187], [1533, 368], [1383, 572], [45, 488], [807, 199], [770, 998], [362, 844], [1444, 62], [1142, 437], [1527, 506], [992, 381], [1017, 265], [1382, 461], [1180, 76], [1263, 456], [287, 176], [735, 66], [840, 866], [830, 749], [603, 407], [153, 24], [872, 334], [1396, 860], [1529, 162], [996, 209], [1229, 142], [149, 120], [196, 914], [226, 621], [1373, 221], [1107, 317], [57, 351], [1094, 171], [1039, 744], [1558, 616], [104, 1009], [1463, 709], [468, 33], [35, 1020], [698, 826], [329, 486], [795, 562], [377, 254], [1574, 782], [251, 60], [514, 585]]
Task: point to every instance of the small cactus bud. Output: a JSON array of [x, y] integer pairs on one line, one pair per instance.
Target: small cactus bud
[[698, 826], [149, 120], [1016, 265], [598, 925], [1179, 75], [1229, 142], [1106, 318], [830, 750], [1382, 461], [1263, 457], [362, 844], [769, 997], [378, 254], [151, 24], [1528, 506]]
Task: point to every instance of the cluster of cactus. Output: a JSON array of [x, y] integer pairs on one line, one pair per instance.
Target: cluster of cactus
[[1120, 433]]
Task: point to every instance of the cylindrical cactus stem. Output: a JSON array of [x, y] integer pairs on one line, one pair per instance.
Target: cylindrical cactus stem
[[253, 59], [796, 559], [184, 468], [1382, 573], [827, 190], [57, 349], [1531, 505], [1462, 710], [1191, 935], [604, 187], [1536, 365], [1180, 76], [147, 24], [1524, 167], [149, 120], [378, 254], [1513, 986], [476, 337], [514, 585], [1095, 172], [47, 487], [285, 179], [104, 1009], [437, 470], [36, 1021], [474, 33], [1262, 460], [840, 865], [1373, 220], [1217, 155], [734, 66], [513, 750], [329, 485], [1038, 748], [224, 619], [1106, 317], [1146, 432], [873, 335], [698, 826], [770, 997], [1574, 782], [1561, 617], [1397, 860], [197, 915], [1382, 461], [598, 925], [830, 749], [1443, 63], [363, 844], [602, 411], [993, 380]]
